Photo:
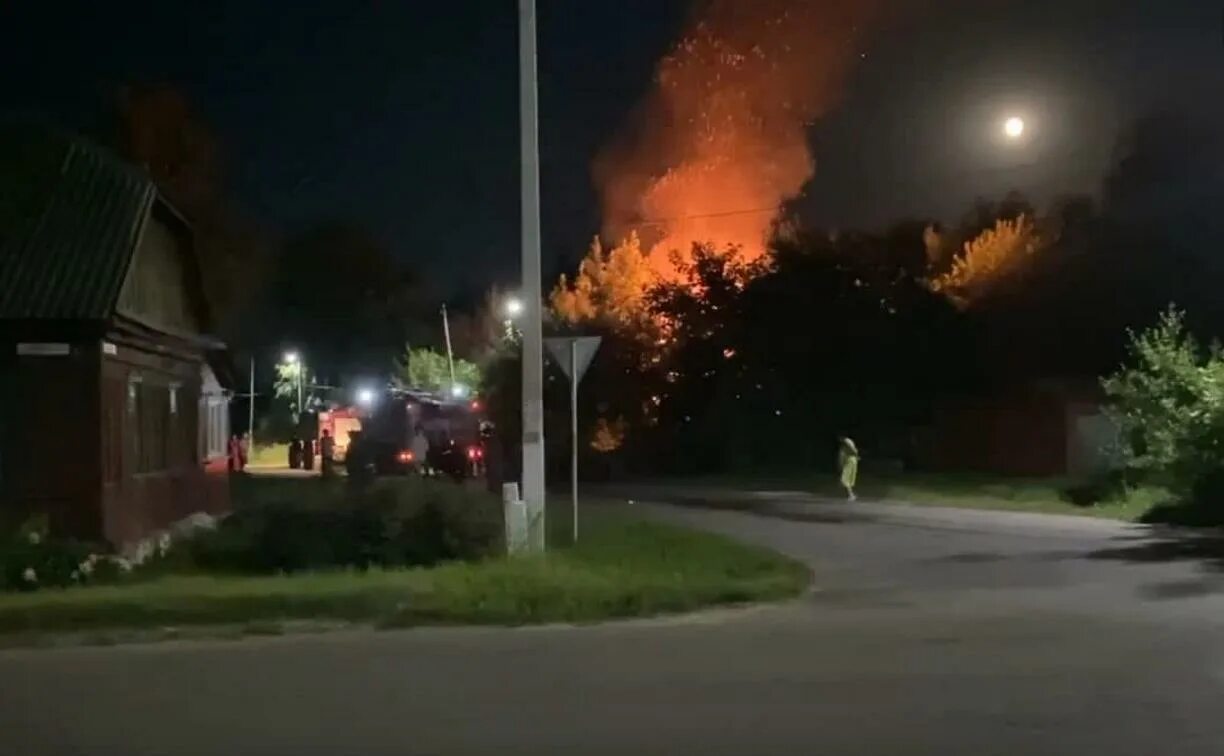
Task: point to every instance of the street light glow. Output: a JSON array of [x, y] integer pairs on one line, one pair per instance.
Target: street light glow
[[1013, 127], [291, 357], [459, 391], [514, 307], [365, 397]]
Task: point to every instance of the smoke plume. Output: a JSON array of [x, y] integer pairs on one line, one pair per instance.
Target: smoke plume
[[720, 143]]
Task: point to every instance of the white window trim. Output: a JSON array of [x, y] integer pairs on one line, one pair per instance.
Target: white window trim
[[215, 417]]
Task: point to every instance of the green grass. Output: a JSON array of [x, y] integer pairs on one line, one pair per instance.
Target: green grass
[[1041, 495], [622, 568], [968, 491], [269, 455]]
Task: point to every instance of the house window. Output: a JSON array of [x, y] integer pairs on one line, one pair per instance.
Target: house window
[[149, 408], [154, 417], [135, 423], [113, 424], [133, 393], [214, 412]]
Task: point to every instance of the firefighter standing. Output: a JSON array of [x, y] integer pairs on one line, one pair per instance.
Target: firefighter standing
[[419, 446], [327, 452]]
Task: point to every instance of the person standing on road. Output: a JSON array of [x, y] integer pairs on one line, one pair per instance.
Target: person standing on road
[[419, 447], [847, 465], [327, 453]]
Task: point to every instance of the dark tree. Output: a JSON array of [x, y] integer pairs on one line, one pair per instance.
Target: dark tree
[[339, 292], [159, 130]]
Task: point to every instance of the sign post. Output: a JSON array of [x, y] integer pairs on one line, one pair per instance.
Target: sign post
[[574, 356]]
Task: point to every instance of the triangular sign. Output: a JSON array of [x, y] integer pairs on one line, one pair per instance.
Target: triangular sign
[[584, 348]]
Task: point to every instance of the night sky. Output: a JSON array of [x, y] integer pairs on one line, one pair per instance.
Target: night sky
[[402, 116]]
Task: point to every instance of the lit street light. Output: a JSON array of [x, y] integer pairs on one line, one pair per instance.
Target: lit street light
[[366, 397], [1013, 128], [512, 310], [293, 358]]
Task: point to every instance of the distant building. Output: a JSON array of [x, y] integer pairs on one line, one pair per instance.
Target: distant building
[[1044, 428], [112, 423]]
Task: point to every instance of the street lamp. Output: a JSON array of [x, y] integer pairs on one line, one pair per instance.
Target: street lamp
[[1013, 127], [366, 397], [294, 359], [512, 310]]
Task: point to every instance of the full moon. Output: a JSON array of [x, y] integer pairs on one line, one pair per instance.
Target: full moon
[[1014, 127]]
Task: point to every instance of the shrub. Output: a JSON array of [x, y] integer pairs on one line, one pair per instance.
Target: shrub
[[1101, 487], [426, 522], [390, 523], [29, 560], [278, 537], [1169, 406], [1167, 400]]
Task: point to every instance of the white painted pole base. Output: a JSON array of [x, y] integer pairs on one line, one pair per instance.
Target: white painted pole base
[[516, 519]]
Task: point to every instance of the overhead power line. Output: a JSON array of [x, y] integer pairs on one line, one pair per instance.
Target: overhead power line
[[699, 216]]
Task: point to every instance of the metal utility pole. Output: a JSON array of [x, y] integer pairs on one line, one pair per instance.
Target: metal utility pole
[[533, 350], [574, 377], [450, 355]]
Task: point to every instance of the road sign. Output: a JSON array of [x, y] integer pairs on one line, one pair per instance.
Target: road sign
[[574, 356], [574, 363]]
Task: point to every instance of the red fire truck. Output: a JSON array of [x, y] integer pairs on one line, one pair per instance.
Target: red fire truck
[[452, 429], [339, 422]]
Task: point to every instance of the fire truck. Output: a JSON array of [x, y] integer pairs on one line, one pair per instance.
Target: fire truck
[[339, 423], [452, 428]]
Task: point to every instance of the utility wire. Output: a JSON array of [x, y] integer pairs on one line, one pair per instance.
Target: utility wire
[[724, 214]]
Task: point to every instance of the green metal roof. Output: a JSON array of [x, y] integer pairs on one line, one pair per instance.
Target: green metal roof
[[70, 219]]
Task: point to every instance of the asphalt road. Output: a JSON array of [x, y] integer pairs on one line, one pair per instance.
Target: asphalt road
[[928, 632]]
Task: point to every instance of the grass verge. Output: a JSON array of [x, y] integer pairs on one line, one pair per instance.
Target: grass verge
[[1039, 495], [1061, 496], [269, 455], [623, 568]]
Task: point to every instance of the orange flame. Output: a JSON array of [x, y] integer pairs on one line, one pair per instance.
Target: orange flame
[[720, 144]]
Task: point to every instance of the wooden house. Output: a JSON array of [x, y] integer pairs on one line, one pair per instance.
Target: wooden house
[[112, 424]]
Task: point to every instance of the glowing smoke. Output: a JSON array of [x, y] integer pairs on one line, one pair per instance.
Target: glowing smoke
[[720, 143]]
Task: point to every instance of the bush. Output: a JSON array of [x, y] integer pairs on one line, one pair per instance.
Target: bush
[[1100, 488], [391, 523], [1169, 406], [29, 560]]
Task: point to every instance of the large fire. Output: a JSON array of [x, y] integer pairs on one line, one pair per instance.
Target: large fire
[[720, 144]]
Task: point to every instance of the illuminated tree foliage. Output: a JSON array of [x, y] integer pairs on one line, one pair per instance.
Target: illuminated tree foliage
[[989, 259], [609, 289], [608, 435], [427, 370]]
